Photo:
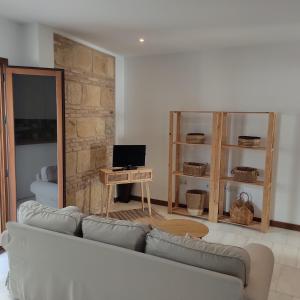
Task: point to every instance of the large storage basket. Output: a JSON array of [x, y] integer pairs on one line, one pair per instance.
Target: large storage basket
[[195, 200], [194, 169]]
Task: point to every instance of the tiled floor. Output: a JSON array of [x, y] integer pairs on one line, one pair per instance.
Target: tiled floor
[[284, 243]]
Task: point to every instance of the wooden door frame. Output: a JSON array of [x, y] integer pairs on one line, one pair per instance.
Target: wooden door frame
[[3, 160], [58, 74]]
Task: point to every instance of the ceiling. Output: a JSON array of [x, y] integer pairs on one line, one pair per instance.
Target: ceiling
[[167, 26]]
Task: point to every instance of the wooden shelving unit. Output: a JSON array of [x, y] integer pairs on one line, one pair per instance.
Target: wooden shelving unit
[[175, 151], [265, 184], [218, 177]]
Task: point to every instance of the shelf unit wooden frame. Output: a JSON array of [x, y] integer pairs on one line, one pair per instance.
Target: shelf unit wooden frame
[[266, 183], [175, 151], [219, 166]]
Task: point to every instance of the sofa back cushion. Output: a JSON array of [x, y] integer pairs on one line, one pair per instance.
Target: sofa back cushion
[[120, 233], [65, 220], [220, 258]]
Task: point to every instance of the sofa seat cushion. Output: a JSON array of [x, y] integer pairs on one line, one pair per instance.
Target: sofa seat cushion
[[120, 233], [65, 220], [220, 258]]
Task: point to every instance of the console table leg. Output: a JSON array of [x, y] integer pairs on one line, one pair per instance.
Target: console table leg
[[148, 198], [142, 199], [103, 198], [110, 188]]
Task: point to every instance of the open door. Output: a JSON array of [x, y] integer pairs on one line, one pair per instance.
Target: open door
[[3, 160], [35, 120]]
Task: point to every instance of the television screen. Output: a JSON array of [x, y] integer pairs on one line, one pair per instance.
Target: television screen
[[128, 156]]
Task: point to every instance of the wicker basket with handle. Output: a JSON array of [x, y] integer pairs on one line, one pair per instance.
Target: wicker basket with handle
[[194, 169], [245, 174], [242, 211], [249, 141], [195, 200], [195, 138]]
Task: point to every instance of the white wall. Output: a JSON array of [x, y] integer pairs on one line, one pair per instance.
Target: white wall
[[26, 44], [10, 45], [257, 78]]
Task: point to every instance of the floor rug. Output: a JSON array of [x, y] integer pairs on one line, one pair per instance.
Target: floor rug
[[136, 215]]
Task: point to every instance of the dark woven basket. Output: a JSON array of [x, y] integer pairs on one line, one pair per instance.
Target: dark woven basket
[[249, 141], [245, 174], [195, 138], [194, 169]]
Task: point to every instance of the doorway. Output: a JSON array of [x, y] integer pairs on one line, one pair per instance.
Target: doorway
[[35, 118]]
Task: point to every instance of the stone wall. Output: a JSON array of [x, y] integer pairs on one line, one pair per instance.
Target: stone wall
[[89, 119]]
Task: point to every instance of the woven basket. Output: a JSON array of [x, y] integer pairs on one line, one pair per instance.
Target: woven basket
[[242, 211], [249, 141], [194, 169], [195, 200], [195, 138], [245, 174]]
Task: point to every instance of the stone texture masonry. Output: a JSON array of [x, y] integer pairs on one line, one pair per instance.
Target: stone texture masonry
[[89, 119]]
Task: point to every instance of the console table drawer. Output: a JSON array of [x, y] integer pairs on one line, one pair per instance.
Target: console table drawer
[[118, 178], [140, 176], [110, 177]]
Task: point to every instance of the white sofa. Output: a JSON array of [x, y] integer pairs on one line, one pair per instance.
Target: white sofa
[[48, 265]]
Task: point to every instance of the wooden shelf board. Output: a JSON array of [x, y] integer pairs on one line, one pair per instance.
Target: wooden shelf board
[[183, 212], [205, 177], [242, 147], [231, 179], [254, 225], [192, 144], [247, 112], [228, 112], [194, 111]]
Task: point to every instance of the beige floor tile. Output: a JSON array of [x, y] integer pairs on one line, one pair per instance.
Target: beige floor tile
[[290, 256], [298, 258], [275, 277], [260, 241], [289, 281], [278, 252], [293, 238], [279, 296], [278, 236]]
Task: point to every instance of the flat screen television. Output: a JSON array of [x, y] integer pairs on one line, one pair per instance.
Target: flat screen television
[[129, 156]]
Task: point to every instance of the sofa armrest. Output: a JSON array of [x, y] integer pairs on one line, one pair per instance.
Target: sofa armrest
[[261, 269]]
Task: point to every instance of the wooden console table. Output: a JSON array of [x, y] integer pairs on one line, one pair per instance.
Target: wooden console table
[[110, 178]]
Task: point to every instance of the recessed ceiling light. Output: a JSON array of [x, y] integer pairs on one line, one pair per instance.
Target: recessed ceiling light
[[141, 40]]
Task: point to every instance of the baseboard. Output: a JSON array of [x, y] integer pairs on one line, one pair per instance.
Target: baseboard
[[153, 201], [273, 223]]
